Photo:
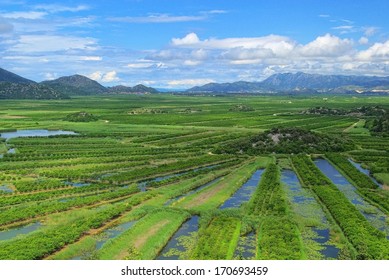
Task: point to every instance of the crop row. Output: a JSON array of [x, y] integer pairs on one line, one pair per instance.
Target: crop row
[[278, 236], [218, 240], [268, 198], [193, 173], [85, 171], [40, 244], [38, 163], [363, 183], [361, 180], [181, 165], [59, 193], [146, 238], [186, 138], [28, 211], [133, 151], [369, 242], [215, 194]]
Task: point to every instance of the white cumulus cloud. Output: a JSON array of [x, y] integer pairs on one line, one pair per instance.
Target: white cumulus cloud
[[327, 46], [189, 40], [106, 77], [276, 43], [376, 51]]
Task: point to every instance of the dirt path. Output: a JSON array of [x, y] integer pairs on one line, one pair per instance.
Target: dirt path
[[138, 243], [204, 196]]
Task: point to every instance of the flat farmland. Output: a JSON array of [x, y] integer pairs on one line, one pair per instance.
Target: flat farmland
[[166, 176]]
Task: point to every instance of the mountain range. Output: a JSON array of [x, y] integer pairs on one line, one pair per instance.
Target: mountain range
[[301, 82], [13, 86]]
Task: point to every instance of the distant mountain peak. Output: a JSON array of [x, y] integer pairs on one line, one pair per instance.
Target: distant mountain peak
[[300, 82], [6, 76], [135, 89], [76, 85]]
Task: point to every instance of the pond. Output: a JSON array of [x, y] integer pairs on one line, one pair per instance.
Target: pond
[[35, 132], [244, 193], [111, 233], [177, 245], [106, 236], [307, 209], [373, 214], [6, 189], [12, 233]]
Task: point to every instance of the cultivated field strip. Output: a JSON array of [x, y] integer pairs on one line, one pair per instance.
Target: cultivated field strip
[[127, 185], [269, 202], [368, 242]]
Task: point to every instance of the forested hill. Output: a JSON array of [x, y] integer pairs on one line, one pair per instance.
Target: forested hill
[[28, 91], [76, 85], [134, 89], [13, 86]]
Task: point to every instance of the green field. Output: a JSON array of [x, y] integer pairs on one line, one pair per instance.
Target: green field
[[155, 160]]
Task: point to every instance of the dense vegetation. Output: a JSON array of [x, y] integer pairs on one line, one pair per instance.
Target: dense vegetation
[[278, 233], [80, 117], [364, 184], [241, 108], [219, 239], [287, 140], [28, 91], [359, 111], [379, 124]]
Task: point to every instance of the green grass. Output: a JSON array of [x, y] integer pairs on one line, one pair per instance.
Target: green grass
[[358, 128], [214, 195], [382, 177], [219, 240], [146, 238]]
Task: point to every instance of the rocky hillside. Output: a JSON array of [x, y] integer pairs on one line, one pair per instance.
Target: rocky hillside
[[28, 91], [76, 85]]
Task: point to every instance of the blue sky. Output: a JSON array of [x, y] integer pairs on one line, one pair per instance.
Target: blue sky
[[183, 43]]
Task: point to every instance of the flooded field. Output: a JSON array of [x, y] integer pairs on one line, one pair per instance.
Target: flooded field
[[314, 223], [374, 215]]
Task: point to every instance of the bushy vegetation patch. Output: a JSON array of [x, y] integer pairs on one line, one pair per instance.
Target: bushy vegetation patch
[[288, 141], [81, 117]]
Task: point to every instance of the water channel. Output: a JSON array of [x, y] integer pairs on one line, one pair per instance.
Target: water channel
[[176, 245], [244, 193], [307, 209], [34, 132], [31, 133], [373, 214], [14, 232], [365, 171], [142, 186]]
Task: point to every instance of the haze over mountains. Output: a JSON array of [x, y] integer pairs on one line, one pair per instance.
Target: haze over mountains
[[301, 82], [13, 86]]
